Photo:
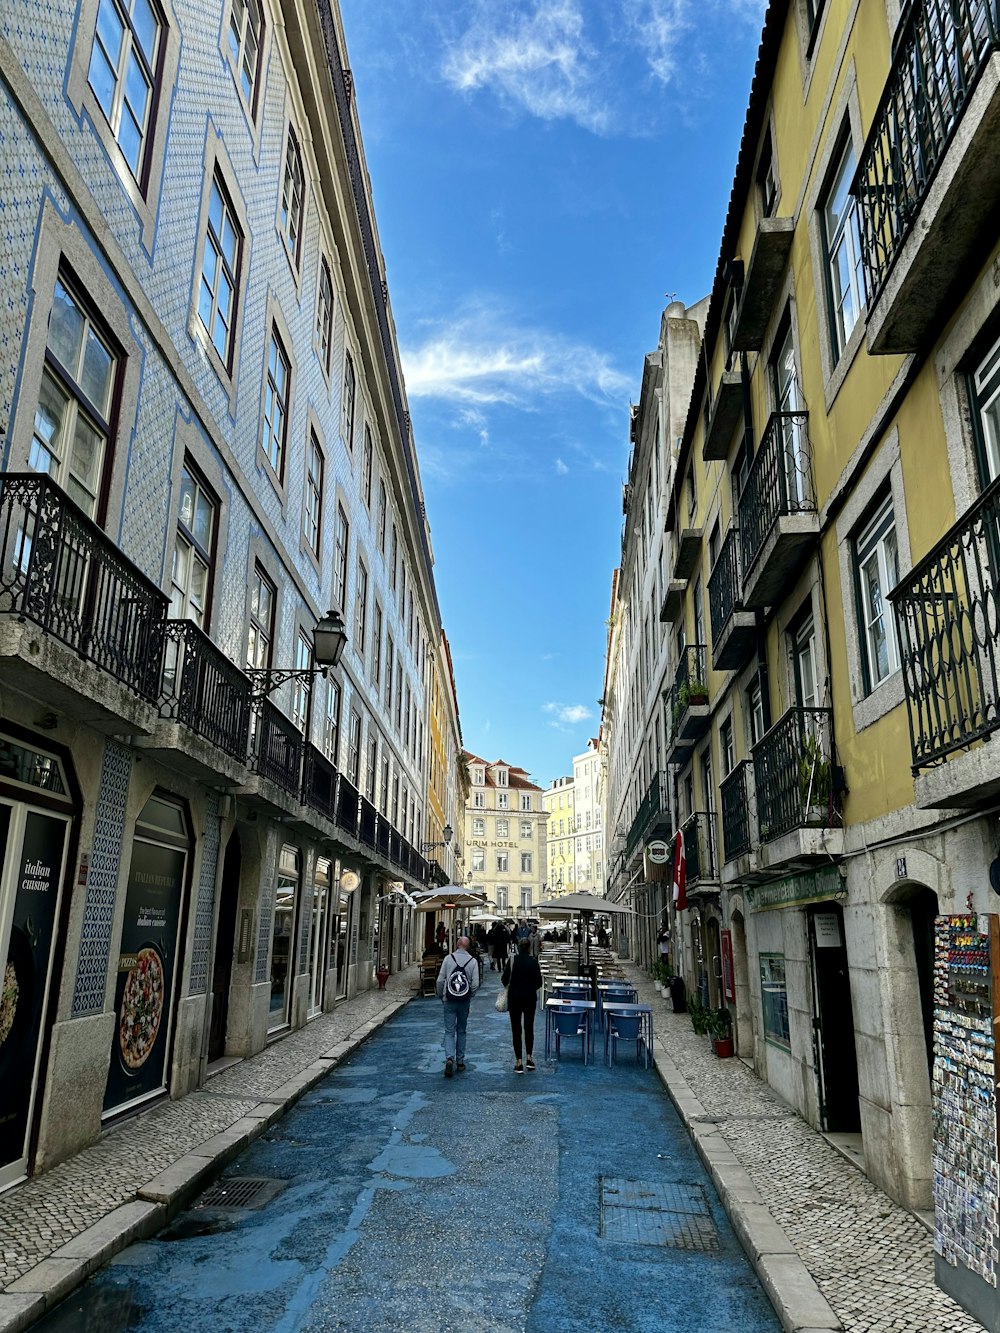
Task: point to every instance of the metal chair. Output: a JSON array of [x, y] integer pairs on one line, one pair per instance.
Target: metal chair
[[627, 1027], [571, 1022]]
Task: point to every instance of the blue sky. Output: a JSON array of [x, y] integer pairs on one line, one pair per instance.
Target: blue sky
[[547, 174]]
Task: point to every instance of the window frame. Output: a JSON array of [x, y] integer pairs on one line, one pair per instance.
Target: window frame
[[276, 342], [323, 323], [331, 720], [869, 542], [252, 104], [840, 338], [219, 168], [151, 71], [348, 401], [206, 555], [987, 470], [291, 222], [342, 547], [313, 491], [361, 585], [265, 629], [367, 461]]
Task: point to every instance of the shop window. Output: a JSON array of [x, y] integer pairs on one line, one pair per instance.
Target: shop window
[[283, 936], [774, 998]]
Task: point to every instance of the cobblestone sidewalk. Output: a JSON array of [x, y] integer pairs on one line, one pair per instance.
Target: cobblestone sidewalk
[[43, 1214], [872, 1260]]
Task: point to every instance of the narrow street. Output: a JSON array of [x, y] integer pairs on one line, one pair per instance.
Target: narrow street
[[403, 1200]]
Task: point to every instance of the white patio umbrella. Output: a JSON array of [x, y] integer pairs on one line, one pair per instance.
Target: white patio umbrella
[[581, 904]]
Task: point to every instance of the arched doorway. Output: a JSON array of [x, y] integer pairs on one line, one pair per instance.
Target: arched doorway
[[225, 944], [713, 950], [743, 1026], [922, 908]]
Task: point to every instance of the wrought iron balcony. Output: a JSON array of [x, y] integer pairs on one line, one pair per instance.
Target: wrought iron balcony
[[736, 792], [383, 833], [687, 702], [651, 816], [367, 823], [794, 773], [699, 849], [725, 414], [278, 749], [948, 617], [348, 806], [60, 571], [319, 784], [941, 50], [778, 518], [201, 688], [733, 628]]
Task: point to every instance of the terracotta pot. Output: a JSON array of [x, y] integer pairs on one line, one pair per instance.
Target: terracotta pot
[[723, 1047], [382, 976]]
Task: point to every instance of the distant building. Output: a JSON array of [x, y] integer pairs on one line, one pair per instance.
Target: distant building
[[505, 835], [559, 801], [575, 831]]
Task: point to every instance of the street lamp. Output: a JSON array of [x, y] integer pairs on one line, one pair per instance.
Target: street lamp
[[329, 641], [446, 833]]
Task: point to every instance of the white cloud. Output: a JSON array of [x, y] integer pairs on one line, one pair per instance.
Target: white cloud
[[534, 56], [567, 714], [481, 358], [561, 467], [658, 27]]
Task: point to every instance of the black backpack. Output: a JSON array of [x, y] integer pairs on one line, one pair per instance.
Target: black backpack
[[458, 986]]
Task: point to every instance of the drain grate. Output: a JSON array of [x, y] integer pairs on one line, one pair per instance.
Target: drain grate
[[644, 1212], [241, 1192]]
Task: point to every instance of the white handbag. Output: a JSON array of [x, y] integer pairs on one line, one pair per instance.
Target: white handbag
[[501, 1000]]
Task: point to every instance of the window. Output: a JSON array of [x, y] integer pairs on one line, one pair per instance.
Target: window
[[276, 392], [347, 402], [382, 508], [72, 431], [371, 765], [774, 997], [388, 674], [366, 468], [220, 272], [804, 663], [399, 693], [293, 192], [842, 243], [526, 828], [478, 860], [501, 777], [340, 558], [787, 400], [324, 314], [194, 547], [312, 512], [354, 749], [525, 863], [394, 561], [503, 828], [245, 33], [402, 593], [361, 609], [525, 802], [331, 722], [755, 713], [984, 385], [302, 687], [385, 779], [726, 749], [377, 646], [479, 828], [501, 863], [479, 800], [501, 897], [261, 634], [876, 560], [406, 718], [503, 801], [767, 184], [124, 72]]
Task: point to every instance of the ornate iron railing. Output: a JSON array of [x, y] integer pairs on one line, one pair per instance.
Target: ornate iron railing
[[383, 832], [690, 687], [699, 847], [794, 773], [394, 844], [736, 795], [203, 689], [348, 802], [725, 588], [319, 784], [940, 50], [368, 823], [60, 571], [948, 619], [649, 807], [779, 482], [278, 747]]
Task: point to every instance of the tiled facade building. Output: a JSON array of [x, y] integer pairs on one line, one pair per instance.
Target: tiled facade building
[[206, 445], [505, 836]]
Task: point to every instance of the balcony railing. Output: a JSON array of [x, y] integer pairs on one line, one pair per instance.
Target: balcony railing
[[319, 784], [649, 808], [779, 482], [948, 616], [689, 690], [60, 571], [736, 794], [699, 847], [724, 586], [794, 773], [368, 823], [383, 833], [348, 799], [203, 689], [278, 749], [940, 51]]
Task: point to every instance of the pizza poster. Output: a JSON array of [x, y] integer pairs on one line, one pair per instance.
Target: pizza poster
[[147, 965], [25, 974]]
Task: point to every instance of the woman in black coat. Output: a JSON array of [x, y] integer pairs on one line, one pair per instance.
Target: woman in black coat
[[523, 978]]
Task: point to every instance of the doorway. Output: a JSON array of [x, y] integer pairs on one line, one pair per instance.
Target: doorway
[[714, 950], [225, 944], [833, 1022], [923, 908]]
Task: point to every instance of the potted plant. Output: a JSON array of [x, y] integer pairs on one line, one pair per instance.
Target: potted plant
[[700, 1015], [814, 777], [720, 1027]]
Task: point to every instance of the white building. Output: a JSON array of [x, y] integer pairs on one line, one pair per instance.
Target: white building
[[505, 826]]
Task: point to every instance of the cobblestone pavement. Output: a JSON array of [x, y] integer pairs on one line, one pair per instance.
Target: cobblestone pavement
[[39, 1216], [872, 1259]]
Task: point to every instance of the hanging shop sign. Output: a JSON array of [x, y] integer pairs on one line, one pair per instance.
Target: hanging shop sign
[[815, 886], [659, 852]]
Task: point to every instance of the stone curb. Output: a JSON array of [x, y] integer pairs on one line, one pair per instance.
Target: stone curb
[[162, 1198], [791, 1288]]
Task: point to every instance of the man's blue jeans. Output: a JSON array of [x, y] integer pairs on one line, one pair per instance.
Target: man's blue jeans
[[456, 1020]]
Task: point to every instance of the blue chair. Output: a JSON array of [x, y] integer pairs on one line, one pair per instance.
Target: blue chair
[[627, 1027], [570, 1023]]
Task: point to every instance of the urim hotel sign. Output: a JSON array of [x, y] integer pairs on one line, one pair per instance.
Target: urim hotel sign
[[815, 886]]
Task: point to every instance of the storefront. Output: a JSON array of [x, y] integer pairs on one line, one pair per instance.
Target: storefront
[[319, 935], [149, 966], [36, 817], [287, 890]]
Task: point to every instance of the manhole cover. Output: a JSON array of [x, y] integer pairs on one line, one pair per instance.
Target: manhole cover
[[644, 1212], [240, 1192]]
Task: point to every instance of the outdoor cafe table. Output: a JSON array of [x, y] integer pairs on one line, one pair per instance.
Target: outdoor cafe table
[[620, 986], [645, 1012], [585, 1006]]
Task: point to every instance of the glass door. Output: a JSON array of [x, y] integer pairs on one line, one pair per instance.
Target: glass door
[[283, 938], [787, 401], [319, 927]]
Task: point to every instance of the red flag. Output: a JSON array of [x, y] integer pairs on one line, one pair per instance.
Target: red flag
[[680, 874]]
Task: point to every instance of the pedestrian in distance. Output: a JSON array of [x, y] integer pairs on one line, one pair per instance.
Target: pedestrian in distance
[[523, 979], [457, 982], [535, 939]]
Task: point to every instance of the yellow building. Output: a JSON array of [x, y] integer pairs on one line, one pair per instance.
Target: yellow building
[[504, 836], [560, 809], [843, 444]]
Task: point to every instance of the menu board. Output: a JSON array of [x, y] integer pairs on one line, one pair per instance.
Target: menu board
[[966, 1169]]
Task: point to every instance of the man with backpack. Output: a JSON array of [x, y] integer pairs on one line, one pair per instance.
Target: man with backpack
[[456, 983]]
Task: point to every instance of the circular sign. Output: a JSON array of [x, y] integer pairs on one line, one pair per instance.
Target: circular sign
[[350, 880], [659, 852]]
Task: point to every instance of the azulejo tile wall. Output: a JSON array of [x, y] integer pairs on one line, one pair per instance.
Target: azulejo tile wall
[[205, 910]]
